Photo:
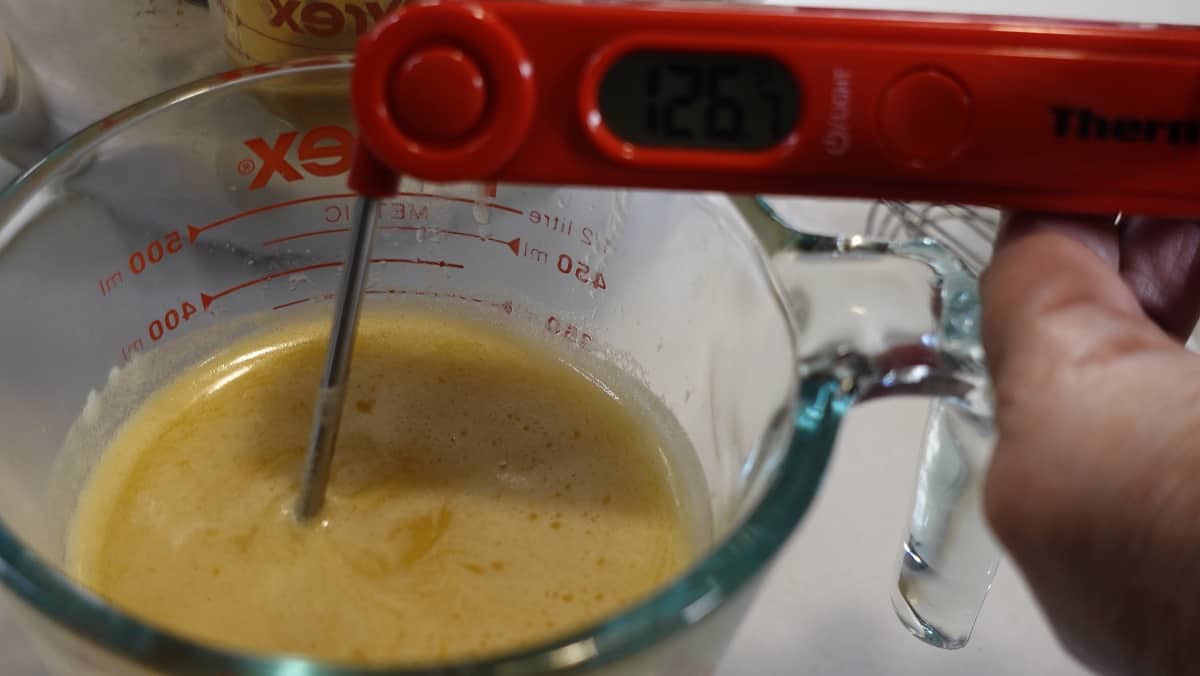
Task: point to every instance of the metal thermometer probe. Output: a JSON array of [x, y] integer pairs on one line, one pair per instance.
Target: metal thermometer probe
[[331, 395]]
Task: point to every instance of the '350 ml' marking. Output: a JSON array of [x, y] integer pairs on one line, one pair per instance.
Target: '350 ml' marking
[[569, 332]]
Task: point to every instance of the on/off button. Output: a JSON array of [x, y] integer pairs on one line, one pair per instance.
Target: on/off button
[[437, 94], [925, 119]]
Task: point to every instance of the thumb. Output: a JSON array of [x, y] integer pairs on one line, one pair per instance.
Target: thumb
[[1053, 299], [1091, 487]]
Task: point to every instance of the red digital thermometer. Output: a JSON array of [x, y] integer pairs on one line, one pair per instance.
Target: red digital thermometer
[[1010, 113]]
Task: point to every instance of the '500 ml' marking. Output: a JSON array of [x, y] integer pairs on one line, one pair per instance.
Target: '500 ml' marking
[[151, 254], [155, 251]]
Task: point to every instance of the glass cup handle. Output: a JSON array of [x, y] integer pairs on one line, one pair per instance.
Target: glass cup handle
[[892, 319], [948, 557]]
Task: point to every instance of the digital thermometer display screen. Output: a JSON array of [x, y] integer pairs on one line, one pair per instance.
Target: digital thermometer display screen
[[703, 101]]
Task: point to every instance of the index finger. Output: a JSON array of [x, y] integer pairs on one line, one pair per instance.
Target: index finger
[[1160, 260]]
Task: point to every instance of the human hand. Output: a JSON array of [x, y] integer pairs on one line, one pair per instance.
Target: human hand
[[1094, 487]]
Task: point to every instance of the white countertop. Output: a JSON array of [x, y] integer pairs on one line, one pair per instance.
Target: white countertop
[[825, 609]]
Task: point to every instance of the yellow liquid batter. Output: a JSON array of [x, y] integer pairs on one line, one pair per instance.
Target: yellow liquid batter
[[485, 495]]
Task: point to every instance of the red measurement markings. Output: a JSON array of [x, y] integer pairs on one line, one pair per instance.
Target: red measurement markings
[[206, 300], [151, 254], [553, 325], [127, 351], [154, 252], [513, 245], [419, 261], [387, 211], [507, 305], [111, 282], [464, 200], [195, 231], [561, 224], [302, 235], [172, 319], [569, 332], [395, 209], [567, 265], [601, 244], [581, 271], [290, 303], [566, 226], [535, 254]]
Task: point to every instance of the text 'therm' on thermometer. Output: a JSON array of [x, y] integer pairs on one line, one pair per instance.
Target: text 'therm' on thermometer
[[1082, 117]]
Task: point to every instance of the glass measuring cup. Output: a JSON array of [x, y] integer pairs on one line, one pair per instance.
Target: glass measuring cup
[[261, 32], [186, 219]]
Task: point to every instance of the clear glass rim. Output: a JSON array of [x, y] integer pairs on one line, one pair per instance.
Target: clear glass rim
[[719, 576]]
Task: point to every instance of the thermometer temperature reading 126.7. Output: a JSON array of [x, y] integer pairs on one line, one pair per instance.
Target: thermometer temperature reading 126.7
[[1010, 113], [694, 100], [987, 110]]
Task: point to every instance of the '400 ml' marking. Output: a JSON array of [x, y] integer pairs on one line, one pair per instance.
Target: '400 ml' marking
[[171, 320]]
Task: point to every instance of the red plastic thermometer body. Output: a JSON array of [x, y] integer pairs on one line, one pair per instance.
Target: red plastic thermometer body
[[1012, 113]]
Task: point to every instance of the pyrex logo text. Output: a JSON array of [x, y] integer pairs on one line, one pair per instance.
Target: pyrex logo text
[[323, 151], [325, 19]]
